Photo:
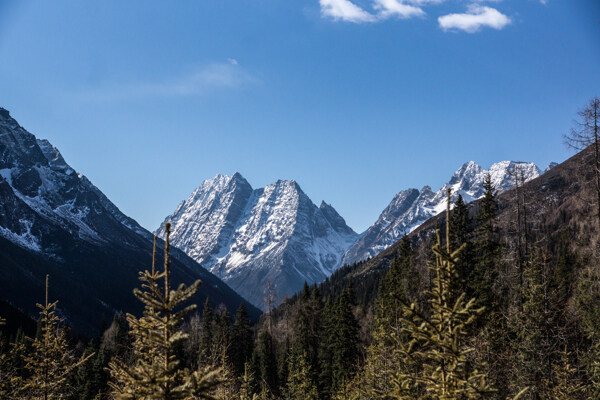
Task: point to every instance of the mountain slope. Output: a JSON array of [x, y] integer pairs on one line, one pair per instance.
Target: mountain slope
[[54, 220], [561, 199], [412, 207], [248, 237]]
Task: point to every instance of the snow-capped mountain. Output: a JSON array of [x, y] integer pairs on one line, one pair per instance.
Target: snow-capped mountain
[[250, 236], [54, 220], [410, 208], [47, 189]]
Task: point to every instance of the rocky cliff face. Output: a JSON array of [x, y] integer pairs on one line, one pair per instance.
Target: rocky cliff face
[[250, 236]]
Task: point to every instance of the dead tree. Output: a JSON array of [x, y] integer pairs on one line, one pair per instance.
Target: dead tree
[[585, 134]]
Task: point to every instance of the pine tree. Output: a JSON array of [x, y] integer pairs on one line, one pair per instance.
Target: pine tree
[[487, 248], [50, 362], [307, 329], [439, 342], [246, 392], [326, 350], [156, 372], [227, 388], [593, 371], [266, 365], [566, 384], [344, 345], [11, 369], [375, 381], [562, 279], [220, 338], [90, 376], [300, 384], [381, 365], [242, 341], [460, 232], [535, 328], [207, 356]]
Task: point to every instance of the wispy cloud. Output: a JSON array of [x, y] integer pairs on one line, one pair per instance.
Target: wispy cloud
[[198, 81], [476, 17], [345, 10], [396, 8]]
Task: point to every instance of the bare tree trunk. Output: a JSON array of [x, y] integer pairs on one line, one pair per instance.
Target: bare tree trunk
[[596, 155]]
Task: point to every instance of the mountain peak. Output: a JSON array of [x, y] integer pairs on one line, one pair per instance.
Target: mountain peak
[[287, 182], [4, 113], [550, 166], [248, 236], [237, 176], [426, 189]]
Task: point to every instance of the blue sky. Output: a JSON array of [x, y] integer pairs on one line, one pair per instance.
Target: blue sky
[[356, 100]]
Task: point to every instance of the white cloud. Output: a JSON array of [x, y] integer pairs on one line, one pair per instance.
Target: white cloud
[[203, 79], [345, 10], [475, 18], [396, 8], [199, 81]]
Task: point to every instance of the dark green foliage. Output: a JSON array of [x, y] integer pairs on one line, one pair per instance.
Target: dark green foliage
[[242, 341], [564, 271], [344, 344], [460, 233], [300, 384], [91, 376], [487, 249], [206, 339], [537, 329], [326, 350], [264, 364], [381, 366], [307, 331]]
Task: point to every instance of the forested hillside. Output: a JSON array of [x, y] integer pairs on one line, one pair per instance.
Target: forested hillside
[[531, 259]]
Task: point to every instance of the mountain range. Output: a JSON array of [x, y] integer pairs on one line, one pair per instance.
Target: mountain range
[[411, 207], [54, 221], [276, 234]]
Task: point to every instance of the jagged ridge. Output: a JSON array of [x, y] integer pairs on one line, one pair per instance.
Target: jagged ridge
[[250, 236], [410, 208]]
